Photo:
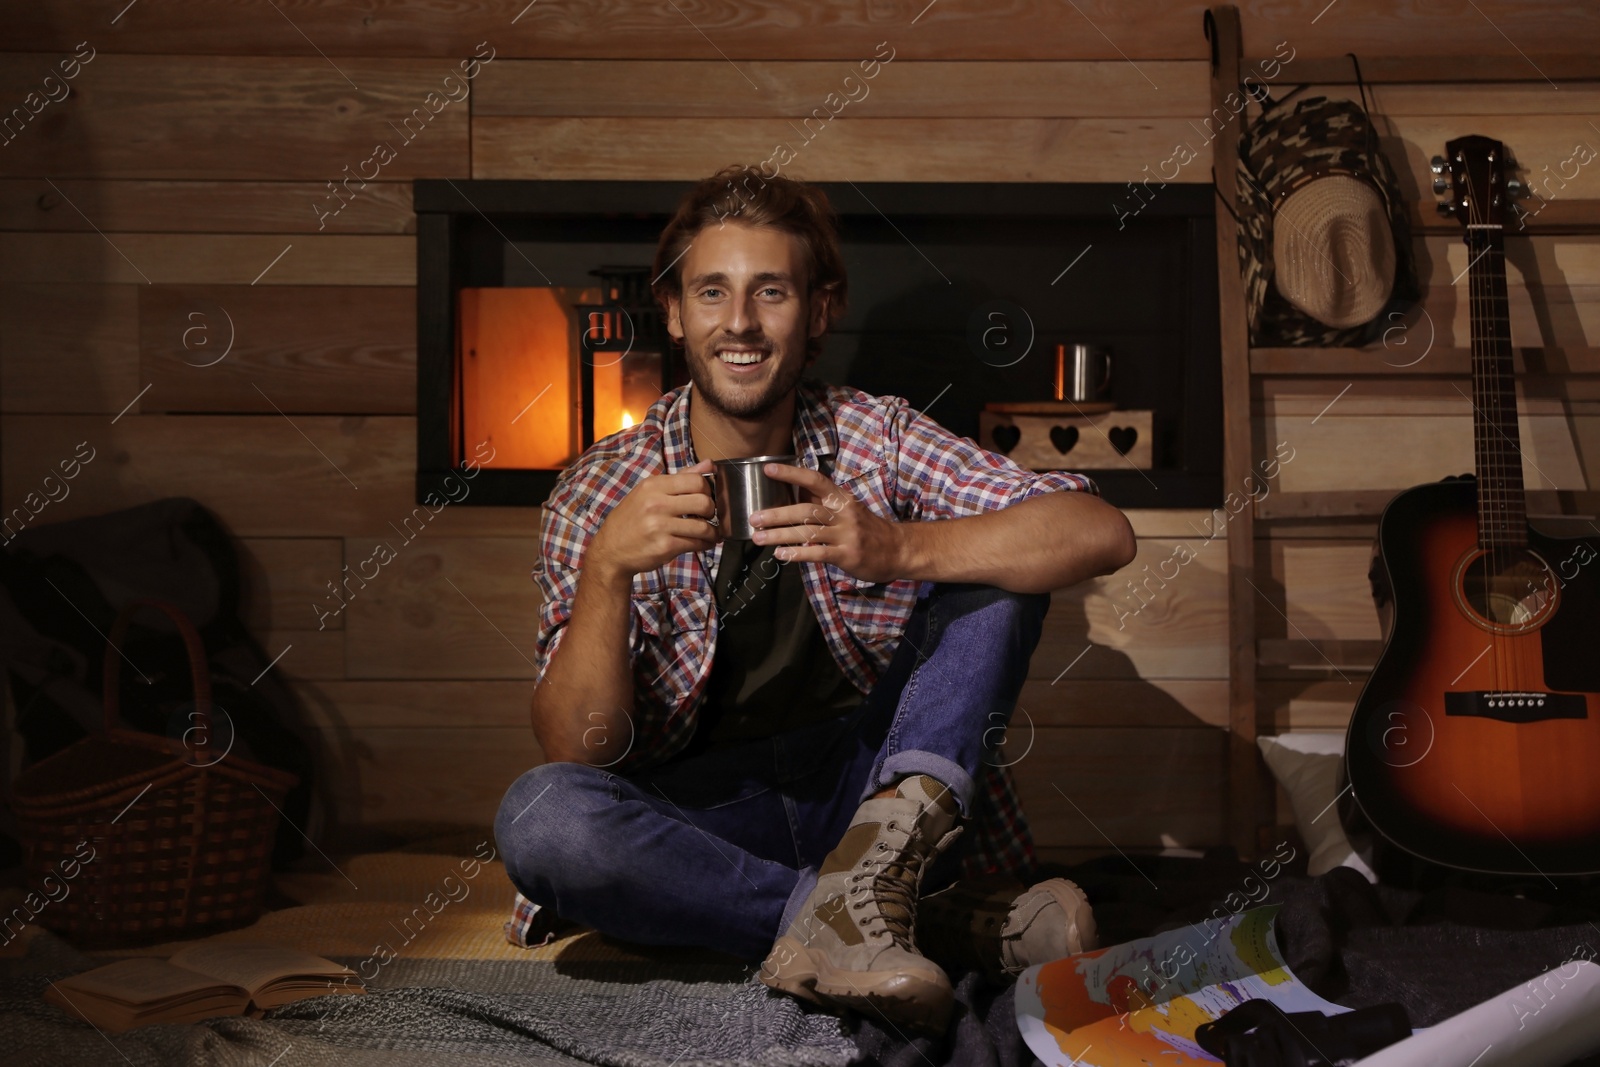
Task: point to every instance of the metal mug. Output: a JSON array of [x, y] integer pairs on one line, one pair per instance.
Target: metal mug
[[740, 488], [1083, 372]]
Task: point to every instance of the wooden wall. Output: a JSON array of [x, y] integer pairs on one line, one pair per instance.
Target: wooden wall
[[167, 204], [1369, 422]]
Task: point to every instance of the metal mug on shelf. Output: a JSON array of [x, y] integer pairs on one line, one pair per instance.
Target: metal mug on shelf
[[740, 488], [1083, 372]]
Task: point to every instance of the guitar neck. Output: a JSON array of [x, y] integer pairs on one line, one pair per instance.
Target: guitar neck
[[1502, 511]]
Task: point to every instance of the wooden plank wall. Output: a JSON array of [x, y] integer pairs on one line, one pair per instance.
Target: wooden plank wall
[[176, 201]]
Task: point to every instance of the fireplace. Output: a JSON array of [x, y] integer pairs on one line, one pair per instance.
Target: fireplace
[[537, 334]]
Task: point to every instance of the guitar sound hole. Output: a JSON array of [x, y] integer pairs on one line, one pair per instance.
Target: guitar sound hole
[[1506, 590]]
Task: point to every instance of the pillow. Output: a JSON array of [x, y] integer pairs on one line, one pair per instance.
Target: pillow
[[1309, 765]]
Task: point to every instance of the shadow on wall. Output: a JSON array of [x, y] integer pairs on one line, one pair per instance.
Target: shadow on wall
[[1560, 327], [1103, 759]]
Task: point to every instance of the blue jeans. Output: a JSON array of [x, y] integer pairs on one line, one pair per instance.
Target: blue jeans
[[718, 850]]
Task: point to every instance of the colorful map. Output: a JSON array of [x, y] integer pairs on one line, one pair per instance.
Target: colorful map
[[1138, 1004]]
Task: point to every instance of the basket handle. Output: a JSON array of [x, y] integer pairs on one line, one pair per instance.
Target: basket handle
[[199, 669]]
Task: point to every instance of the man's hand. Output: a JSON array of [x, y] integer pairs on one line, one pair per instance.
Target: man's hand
[[832, 527], [654, 523]]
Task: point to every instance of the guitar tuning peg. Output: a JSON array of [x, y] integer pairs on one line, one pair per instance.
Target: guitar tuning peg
[[1445, 207], [1436, 164], [1440, 185], [1514, 187]]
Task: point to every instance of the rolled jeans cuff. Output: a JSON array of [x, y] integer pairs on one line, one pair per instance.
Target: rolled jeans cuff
[[949, 773]]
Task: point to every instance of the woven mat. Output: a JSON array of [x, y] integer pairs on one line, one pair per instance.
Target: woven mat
[[450, 990]]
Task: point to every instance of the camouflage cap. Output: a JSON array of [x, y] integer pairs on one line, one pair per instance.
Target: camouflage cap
[[1293, 143]]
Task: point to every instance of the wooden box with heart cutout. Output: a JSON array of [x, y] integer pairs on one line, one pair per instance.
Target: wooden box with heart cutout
[[1048, 442]]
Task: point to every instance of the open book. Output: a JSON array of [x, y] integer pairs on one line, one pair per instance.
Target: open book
[[199, 982]]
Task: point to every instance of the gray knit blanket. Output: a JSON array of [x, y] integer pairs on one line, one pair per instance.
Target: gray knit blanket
[[466, 1012]]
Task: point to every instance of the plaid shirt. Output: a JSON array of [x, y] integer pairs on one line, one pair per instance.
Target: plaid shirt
[[899, 463]]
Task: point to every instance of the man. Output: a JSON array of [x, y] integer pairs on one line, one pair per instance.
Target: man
[[767, 747]]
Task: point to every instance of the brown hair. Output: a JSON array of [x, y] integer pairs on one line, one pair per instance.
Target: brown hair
[[786, 204]]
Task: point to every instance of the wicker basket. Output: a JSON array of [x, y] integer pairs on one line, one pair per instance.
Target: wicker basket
[[181, 840]]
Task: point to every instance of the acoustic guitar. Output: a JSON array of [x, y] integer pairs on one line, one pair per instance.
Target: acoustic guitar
[[1476, 741]]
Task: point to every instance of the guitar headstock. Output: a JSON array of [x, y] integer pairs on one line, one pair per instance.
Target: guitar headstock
[[1475, 174]]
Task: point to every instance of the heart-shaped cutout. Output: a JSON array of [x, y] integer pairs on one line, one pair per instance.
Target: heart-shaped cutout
[[1123, 438], [1006, 437], [1063, 437]]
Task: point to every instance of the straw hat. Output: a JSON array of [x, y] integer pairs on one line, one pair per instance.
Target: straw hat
[[1324, 243], [1332, 252]]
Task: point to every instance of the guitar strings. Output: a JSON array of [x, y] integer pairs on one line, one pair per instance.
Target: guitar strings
[[1480, 398], [1500, 521], [1486, 384]]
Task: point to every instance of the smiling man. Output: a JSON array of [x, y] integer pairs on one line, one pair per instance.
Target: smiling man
[[771, 747]]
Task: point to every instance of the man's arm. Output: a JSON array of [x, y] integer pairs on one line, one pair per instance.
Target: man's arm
[[1042, 543], [584, 702], [966, 515]]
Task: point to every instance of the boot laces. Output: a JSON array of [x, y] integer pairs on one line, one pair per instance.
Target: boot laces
[[894, 883]]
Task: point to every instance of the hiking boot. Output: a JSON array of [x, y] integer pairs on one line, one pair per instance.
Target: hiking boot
[[852, 942], [999, 927]]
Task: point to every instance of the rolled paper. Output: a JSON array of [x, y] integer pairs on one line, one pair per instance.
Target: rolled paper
[[1549, 1021]]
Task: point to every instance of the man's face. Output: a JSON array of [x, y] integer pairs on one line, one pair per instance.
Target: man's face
[[743, 317]]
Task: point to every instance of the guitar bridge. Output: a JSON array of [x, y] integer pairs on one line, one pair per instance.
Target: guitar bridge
[[1516, 706]]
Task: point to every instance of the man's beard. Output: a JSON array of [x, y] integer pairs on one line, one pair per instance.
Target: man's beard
[[743, 403]]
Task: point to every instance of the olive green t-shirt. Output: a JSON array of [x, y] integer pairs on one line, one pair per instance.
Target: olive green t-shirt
[[772, 671]]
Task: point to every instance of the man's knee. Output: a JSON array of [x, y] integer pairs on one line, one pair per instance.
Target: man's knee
[[544, 820], [1026, 608], [1017, 612]]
